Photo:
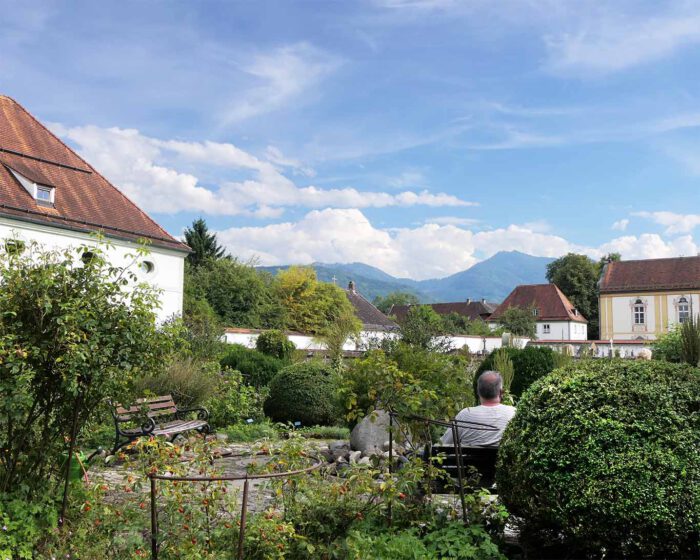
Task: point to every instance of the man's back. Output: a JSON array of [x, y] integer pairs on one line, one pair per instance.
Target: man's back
[[487, 417]]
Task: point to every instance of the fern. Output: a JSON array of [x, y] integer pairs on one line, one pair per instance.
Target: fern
[[504, 365]]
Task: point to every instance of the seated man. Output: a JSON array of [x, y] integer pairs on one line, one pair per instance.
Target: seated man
[[482, 419]]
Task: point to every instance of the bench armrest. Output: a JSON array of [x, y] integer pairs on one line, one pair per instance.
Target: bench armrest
[[202, 413]]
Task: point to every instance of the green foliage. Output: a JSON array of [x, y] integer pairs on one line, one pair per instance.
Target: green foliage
[[577, 276], [257, 368], [408, 381], [202, 329], [669, 346], [304, 392], [190, 382], [336, 332], [504, 365], [233, 401], [73, 334], [309, 305], [385, 303], [603, 459], [518, 321], [529, 364], [251, 432], [421, 327], [24, 521], [238, 294], [690, 341], [203, 243], [276, 344], [454, 323], [324, 432]]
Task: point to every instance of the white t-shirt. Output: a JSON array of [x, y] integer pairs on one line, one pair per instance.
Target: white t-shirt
[[483, 417]]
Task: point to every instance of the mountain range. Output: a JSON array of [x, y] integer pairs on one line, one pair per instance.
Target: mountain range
[[491, 279]]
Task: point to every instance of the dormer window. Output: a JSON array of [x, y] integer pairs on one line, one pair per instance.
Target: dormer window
[[45, 195], [535, 311]]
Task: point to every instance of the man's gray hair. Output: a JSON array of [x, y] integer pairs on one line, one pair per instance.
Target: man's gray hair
[[489, 385]]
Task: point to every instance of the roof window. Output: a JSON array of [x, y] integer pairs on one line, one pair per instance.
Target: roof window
[[45, 195]]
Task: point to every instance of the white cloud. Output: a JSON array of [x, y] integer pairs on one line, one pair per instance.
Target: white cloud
[[147, 170], [427, 251], [620, 225], [452, 221], [674, 223], [407, 179], [282, 75], [609, 43], [648, 246]]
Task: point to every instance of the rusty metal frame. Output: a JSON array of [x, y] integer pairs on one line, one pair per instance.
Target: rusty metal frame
[[154, 477]]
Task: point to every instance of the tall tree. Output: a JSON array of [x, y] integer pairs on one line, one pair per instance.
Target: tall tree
[[309, 305], [423, 328], [519, 321], [577, 276], [203, 243], [385, 303]]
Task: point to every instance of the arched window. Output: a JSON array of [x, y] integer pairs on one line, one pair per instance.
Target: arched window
[[683, 310], [639, 312]]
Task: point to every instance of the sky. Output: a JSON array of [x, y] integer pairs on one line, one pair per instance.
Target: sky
[[418, 136]]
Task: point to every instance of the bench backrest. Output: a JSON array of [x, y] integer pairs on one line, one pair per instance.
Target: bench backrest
[[152, 406], [483, 459]]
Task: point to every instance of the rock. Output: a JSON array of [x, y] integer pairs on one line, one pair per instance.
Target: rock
[[372, 431], [221, 437], [339, 448], [355, 456], [396, 450], [644, 354], [364, 461], [341, 460]]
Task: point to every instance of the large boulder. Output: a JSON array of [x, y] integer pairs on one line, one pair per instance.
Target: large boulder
[[370, 433]]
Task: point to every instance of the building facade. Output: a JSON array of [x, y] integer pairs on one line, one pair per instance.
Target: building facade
[[555, 316], [640, 300], [51, 196]]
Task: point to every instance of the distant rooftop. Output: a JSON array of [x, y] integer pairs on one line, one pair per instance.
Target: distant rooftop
[[372, 319], [549, 301], [678, 273], [477, 309]]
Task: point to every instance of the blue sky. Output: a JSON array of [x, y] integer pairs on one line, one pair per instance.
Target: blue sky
[[420, 136]]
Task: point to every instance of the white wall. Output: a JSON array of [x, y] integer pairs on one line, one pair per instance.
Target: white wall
[[562, 330], [368, 339], [661, 314], [602, 349], [168, 271]]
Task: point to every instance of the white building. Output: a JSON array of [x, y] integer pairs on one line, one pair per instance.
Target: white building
[[50, 195], [556, 317], [640, 300]]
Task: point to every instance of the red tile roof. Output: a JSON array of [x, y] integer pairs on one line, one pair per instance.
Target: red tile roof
[[84, 201], [679, 273], [471, 309], [548, 299]]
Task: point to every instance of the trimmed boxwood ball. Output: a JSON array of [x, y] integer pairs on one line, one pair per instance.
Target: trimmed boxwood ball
[[529, 364], [306, 392], [603, 459]]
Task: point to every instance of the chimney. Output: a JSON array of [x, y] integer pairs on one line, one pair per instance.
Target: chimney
[[351, 286], [469, 300], [483, 300]]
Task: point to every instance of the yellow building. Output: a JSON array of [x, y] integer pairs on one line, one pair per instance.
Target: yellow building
[[640, 300]]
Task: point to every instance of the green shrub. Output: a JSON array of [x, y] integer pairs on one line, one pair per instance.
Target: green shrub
[[276, 344], [23, 524], [257, 368], [250, 432], [529, 364], [603, 457], [234, 401], [324, 432], [189, 381], [669, 346], [303, 392]]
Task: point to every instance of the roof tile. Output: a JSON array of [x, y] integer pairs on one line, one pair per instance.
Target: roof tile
[[548, 299], [85, 200]]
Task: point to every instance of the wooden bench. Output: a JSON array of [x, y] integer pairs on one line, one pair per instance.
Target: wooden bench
[[478, 465], [156, 416]]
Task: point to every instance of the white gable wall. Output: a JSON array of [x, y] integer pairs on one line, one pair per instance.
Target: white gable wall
[[168, 271]]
